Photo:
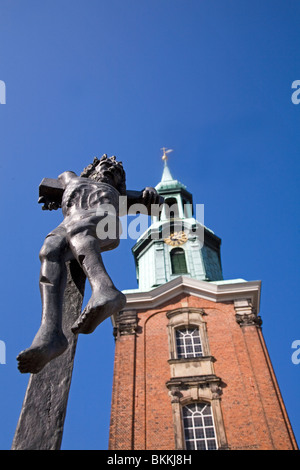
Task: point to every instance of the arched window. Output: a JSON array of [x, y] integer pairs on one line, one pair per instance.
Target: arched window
[[199, 429], [188, 342], [178, 261]]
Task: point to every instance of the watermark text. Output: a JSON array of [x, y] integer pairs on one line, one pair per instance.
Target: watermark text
[[164, 221], [296, 94], [2, 352], [2, 92], [296, 353]]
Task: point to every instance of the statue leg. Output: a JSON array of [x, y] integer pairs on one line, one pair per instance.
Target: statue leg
[[106, 299], [49, 341]]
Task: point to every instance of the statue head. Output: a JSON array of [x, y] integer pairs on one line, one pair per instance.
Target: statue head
[[107, 170]]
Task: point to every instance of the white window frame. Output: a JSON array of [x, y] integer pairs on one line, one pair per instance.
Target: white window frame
[[185, 350], [190, 318], [198, 413]]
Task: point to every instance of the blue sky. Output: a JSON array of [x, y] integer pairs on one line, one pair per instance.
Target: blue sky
[[212, 80]]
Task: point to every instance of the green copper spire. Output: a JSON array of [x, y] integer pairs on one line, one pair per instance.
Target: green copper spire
[[176, 243], [166, 176], [167, 180]]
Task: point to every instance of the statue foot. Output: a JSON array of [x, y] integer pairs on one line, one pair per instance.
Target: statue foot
[[44, 348], [97, 310]]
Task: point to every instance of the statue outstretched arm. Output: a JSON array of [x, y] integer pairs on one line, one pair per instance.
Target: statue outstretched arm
[[146, 197], [51, 190], [50, 194]]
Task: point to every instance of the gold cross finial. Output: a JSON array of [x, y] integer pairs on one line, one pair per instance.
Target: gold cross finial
[[165, 150]]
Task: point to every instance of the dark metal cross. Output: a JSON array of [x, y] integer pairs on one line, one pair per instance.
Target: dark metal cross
[[41, 422]]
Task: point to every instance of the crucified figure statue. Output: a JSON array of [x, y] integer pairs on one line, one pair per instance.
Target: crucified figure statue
[[80, 197]]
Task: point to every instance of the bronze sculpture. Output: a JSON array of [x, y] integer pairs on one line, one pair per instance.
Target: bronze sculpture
[[81, 198]]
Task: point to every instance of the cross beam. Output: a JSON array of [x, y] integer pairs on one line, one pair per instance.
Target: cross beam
[[51, 189]]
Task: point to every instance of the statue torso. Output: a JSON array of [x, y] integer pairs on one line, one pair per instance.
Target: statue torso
[[85, 195]]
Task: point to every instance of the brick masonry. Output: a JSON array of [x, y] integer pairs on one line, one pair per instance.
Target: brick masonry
[[253, 411]]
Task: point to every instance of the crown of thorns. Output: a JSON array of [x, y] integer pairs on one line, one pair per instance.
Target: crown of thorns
[[93, 169]]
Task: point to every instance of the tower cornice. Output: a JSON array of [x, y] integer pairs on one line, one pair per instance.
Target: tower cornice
[[218, 291]]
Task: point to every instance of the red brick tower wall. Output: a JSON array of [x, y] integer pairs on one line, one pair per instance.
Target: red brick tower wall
[[252, 409]]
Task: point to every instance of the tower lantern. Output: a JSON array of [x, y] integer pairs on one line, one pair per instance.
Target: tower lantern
[[176, 243]]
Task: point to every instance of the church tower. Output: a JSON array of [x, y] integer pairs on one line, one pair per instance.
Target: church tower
[[191, 369]]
